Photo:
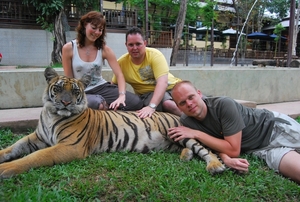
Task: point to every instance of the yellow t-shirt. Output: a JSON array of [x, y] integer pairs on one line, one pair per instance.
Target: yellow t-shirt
[[143, 77]]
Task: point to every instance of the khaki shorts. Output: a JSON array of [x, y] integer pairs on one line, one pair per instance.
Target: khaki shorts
[[284, 138]]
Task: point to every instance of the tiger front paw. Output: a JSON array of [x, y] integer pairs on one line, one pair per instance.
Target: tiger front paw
[[186, 154], [9, 169]]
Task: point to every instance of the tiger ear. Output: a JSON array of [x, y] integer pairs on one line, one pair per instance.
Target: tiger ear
[[49, 74], [86, 79]]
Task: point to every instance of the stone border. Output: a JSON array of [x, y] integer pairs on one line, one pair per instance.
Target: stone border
[[23, 88]]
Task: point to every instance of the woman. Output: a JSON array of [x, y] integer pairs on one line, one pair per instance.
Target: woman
[[85, 55]]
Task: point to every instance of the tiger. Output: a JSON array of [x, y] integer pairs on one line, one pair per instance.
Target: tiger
[[67, 130]]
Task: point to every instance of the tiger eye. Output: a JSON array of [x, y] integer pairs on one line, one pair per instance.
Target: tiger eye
[[56, 89], [77, 93]]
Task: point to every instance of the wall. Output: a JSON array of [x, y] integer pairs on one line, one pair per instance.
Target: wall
[[24, 87], [34, 47], [25, 47]]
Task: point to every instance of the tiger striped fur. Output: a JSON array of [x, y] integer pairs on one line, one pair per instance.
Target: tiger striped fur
[[68, 130]]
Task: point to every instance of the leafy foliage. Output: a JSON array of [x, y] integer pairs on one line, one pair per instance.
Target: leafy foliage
[[164, 13], [53, 18], [278, 29], [281, 7], [50, 9], [208, 16], [207, 13]]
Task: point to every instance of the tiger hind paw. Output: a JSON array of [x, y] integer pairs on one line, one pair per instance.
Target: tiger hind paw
[[214, 165]]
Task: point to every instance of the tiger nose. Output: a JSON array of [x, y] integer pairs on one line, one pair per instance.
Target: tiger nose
[[66, 103], [66, 98]]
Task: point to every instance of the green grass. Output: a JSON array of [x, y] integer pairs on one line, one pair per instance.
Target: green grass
[[298, 119], [55, 65], [158, 176]]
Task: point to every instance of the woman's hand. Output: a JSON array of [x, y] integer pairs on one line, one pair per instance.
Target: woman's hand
[[145, 112], [120, 101]]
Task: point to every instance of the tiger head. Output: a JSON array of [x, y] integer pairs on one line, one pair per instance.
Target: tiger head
[[64, 96]]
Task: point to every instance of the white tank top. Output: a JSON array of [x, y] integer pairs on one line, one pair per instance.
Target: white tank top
[[94, 69]]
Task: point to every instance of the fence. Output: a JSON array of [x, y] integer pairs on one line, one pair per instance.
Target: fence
[[15, 14], [161, 39], [18, 15]]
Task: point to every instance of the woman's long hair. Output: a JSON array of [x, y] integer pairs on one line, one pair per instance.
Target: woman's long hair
[[96, 19]]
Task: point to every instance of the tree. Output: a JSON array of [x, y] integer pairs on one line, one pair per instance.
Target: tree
[[278, 29], [165, 13], [280, 7], [207, 15], [54, 19], [178, 31], [256, 17], [296, 29]]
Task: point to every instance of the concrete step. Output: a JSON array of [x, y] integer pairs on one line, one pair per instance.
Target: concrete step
[[290, 108], [20, 120]]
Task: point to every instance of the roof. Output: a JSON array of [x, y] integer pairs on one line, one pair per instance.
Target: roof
[[284, 23]]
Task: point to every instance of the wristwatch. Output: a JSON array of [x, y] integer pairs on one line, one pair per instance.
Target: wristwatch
[[152, 105]]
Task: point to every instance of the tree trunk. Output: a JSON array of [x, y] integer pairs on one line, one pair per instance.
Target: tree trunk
[[296, 31], [59, 37], [178, 32]]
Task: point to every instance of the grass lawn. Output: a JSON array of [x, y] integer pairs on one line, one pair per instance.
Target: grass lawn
[[158, 176]]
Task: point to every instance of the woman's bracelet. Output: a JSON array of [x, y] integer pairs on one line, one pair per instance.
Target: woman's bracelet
[[122, 93]]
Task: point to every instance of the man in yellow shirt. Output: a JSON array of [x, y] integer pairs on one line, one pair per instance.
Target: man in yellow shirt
[[147, 71]]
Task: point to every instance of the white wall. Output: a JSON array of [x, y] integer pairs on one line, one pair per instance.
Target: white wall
[[24, 47]]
